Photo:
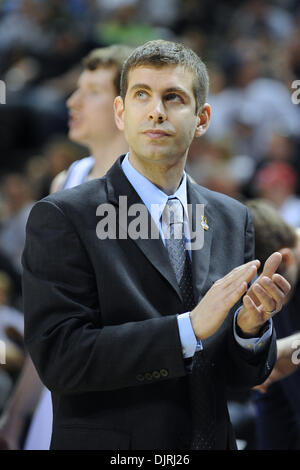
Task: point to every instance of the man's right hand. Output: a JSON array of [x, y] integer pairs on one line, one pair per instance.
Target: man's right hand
[[210, 313]]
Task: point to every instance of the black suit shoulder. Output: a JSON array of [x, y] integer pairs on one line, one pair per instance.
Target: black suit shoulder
[[94, 190], [77, 205], [222, 208], [218, 199]]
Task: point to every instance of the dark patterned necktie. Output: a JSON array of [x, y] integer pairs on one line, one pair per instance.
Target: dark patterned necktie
[[201, 387], [173, 229], [203, 403]]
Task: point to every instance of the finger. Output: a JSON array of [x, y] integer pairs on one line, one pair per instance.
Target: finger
[[244, 272], [236, 271], [271, 264], [234, 290], [282, 283], [232, 297], [252, 294], [257, 315], [267, 303], [260, 388], [244, 277], [273, 290], [263, 387]]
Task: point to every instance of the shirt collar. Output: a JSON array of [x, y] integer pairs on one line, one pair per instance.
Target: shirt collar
[[153, 198]]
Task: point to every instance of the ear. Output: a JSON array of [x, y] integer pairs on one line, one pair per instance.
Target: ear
[[119, 112], [203, 120], [287, 257]]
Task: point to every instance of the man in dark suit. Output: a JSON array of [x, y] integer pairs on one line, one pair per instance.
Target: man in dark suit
[[129, 345]]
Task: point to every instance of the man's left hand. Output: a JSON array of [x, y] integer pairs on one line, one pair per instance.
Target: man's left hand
[[265, 297]]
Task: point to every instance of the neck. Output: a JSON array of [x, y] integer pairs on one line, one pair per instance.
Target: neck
[[105, 155], [166, 176]]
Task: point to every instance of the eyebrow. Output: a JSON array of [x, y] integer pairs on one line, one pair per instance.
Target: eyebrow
[[140, 85]]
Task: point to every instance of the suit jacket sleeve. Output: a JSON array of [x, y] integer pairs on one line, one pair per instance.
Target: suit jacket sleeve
[[70, 347], [245, 368]]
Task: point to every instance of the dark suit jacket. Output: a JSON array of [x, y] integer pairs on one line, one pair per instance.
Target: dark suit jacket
[[101, 326]]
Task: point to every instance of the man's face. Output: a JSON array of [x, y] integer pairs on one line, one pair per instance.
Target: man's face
[[158, 115], [91, 119]]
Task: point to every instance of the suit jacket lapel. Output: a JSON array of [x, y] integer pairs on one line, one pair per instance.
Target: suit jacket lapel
[[201, 256], [153, 249]]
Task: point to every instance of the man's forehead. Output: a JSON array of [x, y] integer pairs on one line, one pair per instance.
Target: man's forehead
[[99, 75], [164, 77]]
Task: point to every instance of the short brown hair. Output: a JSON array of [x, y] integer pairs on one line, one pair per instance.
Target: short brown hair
[[158, 53], [111, 56], [271, 232]]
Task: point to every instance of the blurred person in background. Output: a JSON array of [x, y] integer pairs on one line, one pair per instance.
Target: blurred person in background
[[91, 117], [92, 125], [212, 164], [247, 105], [277, 182], [288, 361], [263, 18], [40, 43], [18, 200], [24, 25], [277, 410], [280, 147], [7, 267], [11, 338], [58, 154]]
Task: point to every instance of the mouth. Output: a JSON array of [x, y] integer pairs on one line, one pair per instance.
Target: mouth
[[73, 121], [156, 133]]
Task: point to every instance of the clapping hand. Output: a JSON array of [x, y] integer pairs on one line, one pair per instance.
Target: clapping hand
[[265, 297], [262, 300]]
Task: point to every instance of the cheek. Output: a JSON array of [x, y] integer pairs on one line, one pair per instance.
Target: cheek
[[130, 124], [187, 129], [128, 132], [103, 107]]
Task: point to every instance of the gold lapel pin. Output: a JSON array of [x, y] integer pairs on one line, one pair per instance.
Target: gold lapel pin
[[204, 222]]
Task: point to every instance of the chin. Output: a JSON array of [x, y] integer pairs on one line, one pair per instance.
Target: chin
[[76, 136], [156, 158], [157, 152]]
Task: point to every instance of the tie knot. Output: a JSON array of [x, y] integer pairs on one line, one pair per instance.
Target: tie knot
[[173, 212]]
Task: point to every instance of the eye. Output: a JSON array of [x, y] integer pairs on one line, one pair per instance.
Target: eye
[[140, 94], [94, 91], [174, 97]]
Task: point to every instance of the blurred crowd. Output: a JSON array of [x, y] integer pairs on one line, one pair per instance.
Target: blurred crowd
[[252, 148]]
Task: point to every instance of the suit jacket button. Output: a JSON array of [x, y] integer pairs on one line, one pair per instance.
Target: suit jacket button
[[148, 376], [156, 374], [140, 377], [164, 372]]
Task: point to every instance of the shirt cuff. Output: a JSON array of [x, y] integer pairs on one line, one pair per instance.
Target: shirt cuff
[[188, 339], [253, 344]]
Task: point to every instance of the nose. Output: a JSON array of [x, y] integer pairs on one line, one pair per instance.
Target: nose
[[158, 113], [74, 99]]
